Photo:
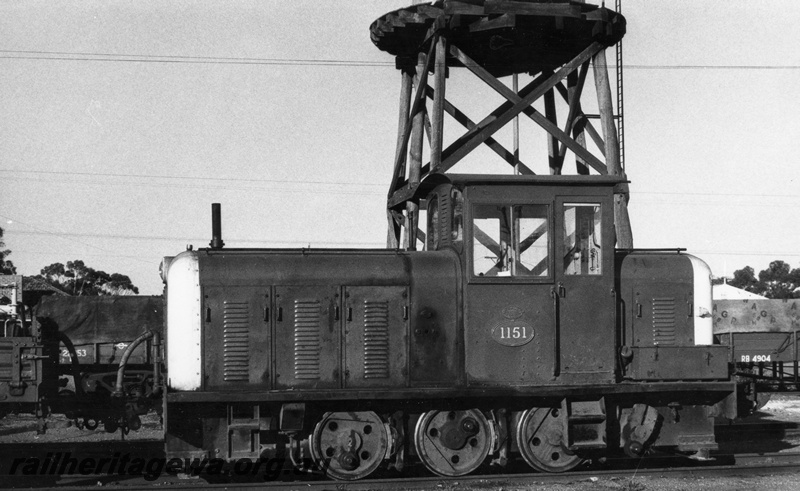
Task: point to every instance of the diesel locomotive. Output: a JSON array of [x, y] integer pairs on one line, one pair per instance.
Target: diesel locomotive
[[518, 333]]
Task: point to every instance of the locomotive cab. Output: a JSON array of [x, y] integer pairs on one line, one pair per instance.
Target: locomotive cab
[[537, 255]]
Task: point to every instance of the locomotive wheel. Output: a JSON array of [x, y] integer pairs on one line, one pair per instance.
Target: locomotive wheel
[[539, 438], [453, 443], [354, 444], [90, 423]]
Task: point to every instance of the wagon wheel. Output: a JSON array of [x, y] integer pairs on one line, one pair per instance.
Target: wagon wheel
[[349, 445], [90, 423], [453, 443], [111, 424], [539, 438]]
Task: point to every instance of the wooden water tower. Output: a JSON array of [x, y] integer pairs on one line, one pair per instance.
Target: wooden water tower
[[555, 42]]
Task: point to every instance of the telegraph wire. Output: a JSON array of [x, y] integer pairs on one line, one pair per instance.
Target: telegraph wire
[[196, 240], [226, 60], [314, 244], [63, 236], [340, 183], [351, 192], [201, 178]]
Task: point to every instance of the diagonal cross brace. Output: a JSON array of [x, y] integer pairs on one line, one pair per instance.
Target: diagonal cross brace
[[461, 148], [499, 149]]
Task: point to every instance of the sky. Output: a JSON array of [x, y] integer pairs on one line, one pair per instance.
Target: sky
[[122, 121]]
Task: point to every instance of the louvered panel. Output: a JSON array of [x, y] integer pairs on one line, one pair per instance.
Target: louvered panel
[[6, 360], [376, 339], [376, 348], [664, 321], [236, 342], [306, 339]]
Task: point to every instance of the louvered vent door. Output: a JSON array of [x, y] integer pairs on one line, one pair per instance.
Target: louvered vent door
[[236, 337], [375, 332], [307, 337], [664, 321]]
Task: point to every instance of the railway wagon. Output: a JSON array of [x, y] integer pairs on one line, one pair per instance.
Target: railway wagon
[[94, 359], [518, 333], [87, 340], [762, 335]]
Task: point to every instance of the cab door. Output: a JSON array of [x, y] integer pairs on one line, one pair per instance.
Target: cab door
[[508, 310], [584, 290]]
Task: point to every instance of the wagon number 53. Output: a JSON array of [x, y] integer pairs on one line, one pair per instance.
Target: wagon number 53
[[755, 358], [80, 352]]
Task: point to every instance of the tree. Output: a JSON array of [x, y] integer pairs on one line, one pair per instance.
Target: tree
[[777, 281], [78, 279], [745, 279], [6, 266]]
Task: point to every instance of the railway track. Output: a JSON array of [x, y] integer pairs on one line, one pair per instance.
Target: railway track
[[745, 450], [747, 466]]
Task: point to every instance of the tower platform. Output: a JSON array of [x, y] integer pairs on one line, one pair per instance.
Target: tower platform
[[504, 37]]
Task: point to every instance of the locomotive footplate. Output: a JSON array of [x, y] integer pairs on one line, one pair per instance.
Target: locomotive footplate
[[720, 389]]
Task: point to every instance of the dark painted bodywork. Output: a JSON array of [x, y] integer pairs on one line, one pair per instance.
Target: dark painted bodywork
[[360, 330]]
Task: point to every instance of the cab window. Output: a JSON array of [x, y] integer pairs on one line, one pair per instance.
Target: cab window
[[510, 240], [582, 254]]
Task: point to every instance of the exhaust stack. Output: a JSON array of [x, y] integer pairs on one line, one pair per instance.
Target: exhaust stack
[[216, 227]]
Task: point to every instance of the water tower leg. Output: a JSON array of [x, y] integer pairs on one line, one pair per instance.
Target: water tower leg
[[604, 103]]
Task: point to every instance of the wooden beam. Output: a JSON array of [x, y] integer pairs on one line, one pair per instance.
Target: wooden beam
[[393, 232], [526, 8], [498, 148], [499, 118], [405, 105], [393, 235], [487, 23], [417, 123], [437, 112], [415, 160], [419, 97], [587, 125], [622, 221], [463, 7], [575, 84], [552, 142], [606, 108], [401, 195]]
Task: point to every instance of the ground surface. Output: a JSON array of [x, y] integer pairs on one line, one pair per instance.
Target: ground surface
[[21, 428]]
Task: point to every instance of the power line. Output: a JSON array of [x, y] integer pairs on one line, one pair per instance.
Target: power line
[[227, 60], [185, 239], [202, 58], [744, 253], [63, 236], [362, 184], [200, 178], [199, 186], [284, 62], [748, 195]]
